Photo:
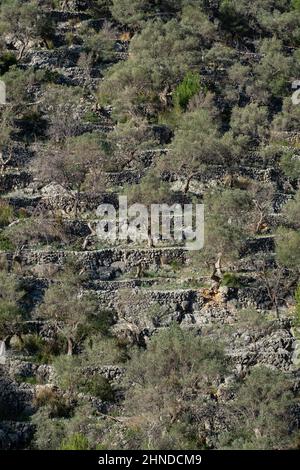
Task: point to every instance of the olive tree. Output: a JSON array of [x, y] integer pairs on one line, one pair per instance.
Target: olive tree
[[262, 198], [194, 147], [250, 124], [141, 85], [33, 231], [170, 382], [288, 120], [290, 164], [262, 413], [288, 248], [61, 106], [6, 145], [24, 21], [19, 85], [79, 163], [129, 140], [226, 229], [290, 212], [100, 46], [11, 311], [67, 309], [273, 73]]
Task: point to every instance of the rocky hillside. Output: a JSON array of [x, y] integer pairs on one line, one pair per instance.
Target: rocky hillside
[[144, 344]]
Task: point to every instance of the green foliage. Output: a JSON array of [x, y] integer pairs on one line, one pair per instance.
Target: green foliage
[[6, 214], [92, 117], [5, 243], [296, 4], [18, 83], [287, 120], [150, 190], [253, 320], [231, 18], [291, 210], [128, 140], [135, 13], [262, 413], [100, 8], [290, 165], [33, 231], [33, 344], [67, 369], [50, 432], [227, 219], [140, 86], [25, 21], [97, 386], [274, 68], [195, 145], [176, 366], [250, 123], [73, 378], [68, 311], [231, 280], [297, 310], [218, 74], [27, 380], [11, 311], [7, 59], [40, 350], [220, 56], [75, 442], [100, 46], [255, 19], [189, 87], [103, 350], [288, 248]]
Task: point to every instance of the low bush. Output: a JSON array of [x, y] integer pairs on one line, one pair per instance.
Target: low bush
[[97, 386], [7, 59], [231, 280], [6, 214], [75, 442]]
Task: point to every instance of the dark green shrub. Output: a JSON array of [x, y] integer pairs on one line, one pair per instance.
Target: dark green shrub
[[296, 4], [28, 380], [297, 310], [5, 244], [188, 88], [7, 59], [231, 280], [97, 386], [33, 344], [290, 165], [42, 352]]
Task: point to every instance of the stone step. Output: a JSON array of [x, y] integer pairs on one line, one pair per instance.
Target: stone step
[[98, 262], [274, 348], [64, 60], [119, 284]]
